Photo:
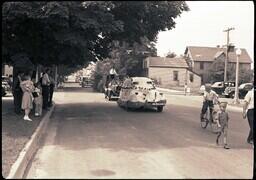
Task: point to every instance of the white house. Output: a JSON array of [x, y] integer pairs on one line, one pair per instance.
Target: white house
[[171, 72]]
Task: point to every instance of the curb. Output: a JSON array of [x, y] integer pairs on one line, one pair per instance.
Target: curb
[[18, 168]]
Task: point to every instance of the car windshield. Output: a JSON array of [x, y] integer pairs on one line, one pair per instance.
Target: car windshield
[[144, 84]]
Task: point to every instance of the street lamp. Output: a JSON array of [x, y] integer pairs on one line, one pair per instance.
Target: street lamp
[[236, 98]]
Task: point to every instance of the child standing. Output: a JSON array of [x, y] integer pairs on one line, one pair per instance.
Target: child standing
[[38, 100], [222, 121]]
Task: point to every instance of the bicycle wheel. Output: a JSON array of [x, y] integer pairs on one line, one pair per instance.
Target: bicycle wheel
[[204, 121]]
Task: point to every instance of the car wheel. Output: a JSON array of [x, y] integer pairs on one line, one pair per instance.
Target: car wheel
[[160, 108], [232, 95], [109, 96]]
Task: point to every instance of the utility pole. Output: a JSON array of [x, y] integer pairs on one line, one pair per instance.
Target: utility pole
[[236, 98], [226, 60]]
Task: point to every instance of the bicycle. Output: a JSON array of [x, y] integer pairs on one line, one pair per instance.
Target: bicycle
[[205, 120]]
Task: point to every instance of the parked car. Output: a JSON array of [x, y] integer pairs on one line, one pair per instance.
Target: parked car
[[86, 82], [3, 90], [219, 87], [5, 85], [140, 92], [243, 89]]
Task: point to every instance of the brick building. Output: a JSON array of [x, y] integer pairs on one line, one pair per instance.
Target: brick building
[[200, 59], [171, 72]]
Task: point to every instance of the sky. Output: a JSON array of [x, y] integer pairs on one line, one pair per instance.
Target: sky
[[203, 25]]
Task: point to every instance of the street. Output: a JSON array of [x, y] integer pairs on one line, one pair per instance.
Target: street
[[91, 137]]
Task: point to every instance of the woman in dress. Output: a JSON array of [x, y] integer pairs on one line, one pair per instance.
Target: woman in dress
[[27, 98]]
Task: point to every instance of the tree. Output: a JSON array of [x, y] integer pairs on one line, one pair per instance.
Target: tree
[[244, 76], [216, 73], [171, 54], [126, 59], [73, 33]]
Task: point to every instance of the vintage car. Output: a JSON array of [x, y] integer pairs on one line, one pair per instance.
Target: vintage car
[[112, 87], [6, 88], [140, 92], [243, 89], [219, 87], [86, 82]]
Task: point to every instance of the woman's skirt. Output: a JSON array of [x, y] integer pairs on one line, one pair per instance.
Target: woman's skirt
[[27, 101]]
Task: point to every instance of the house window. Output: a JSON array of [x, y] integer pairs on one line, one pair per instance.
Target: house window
[[201, 65], [191, 77], [175, 75]]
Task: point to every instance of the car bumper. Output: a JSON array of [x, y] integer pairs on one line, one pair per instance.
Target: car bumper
[[155, 104], [131, 104]]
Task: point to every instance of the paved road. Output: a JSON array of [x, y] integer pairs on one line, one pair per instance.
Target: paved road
[[90, 137]]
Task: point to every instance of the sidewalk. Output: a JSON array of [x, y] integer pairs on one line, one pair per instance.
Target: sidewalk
[[15, 133]]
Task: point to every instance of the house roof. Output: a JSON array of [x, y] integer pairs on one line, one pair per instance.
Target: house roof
[[209, 53], [167, 62]]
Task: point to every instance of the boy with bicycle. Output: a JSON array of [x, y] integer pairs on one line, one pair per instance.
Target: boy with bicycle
[[208, 100], [222, 122]]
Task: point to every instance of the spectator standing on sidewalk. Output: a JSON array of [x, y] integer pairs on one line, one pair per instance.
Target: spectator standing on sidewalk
[[248, 110], [185, 89], [17, 92], [45, 88], [222, 121], [27, 99], [38, 99], [51, 90]]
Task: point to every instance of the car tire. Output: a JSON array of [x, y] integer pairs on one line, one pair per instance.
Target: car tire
[[109, 96], [232, 95], [160, 108]]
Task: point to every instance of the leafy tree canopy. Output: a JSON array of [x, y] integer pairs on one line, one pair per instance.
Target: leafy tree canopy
[[171, 54], [75, 32]]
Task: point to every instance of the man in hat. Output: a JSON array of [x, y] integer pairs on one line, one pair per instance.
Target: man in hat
[[45, 88]]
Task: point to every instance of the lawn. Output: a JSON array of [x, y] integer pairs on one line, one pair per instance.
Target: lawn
[[15, 133]]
